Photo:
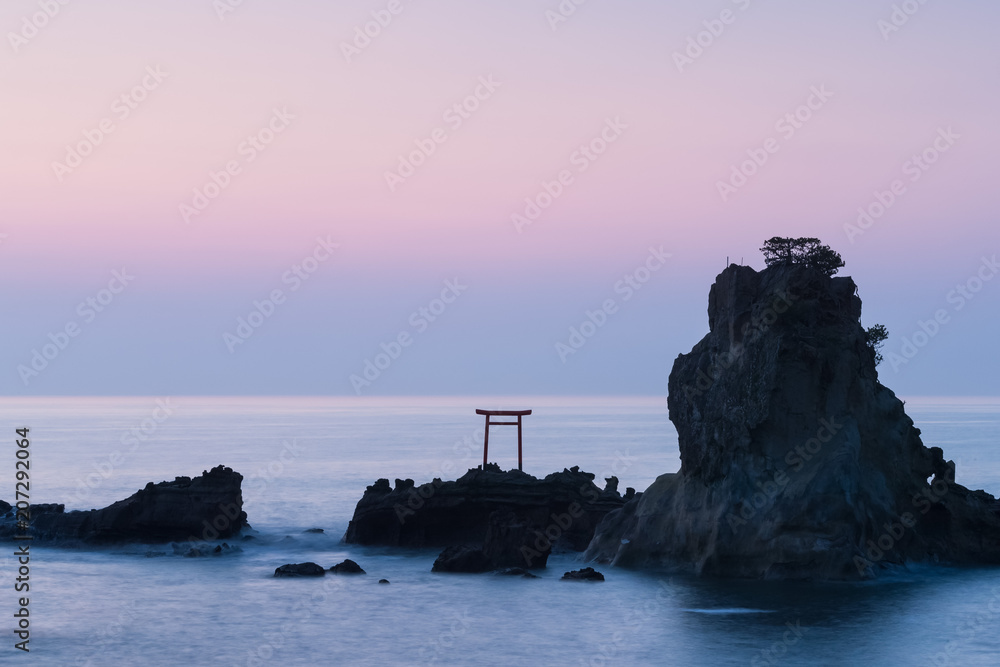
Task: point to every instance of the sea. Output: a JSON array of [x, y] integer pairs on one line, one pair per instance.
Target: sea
[[306, 463]]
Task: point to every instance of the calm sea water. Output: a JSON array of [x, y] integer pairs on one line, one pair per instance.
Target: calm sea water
[[307, 462]]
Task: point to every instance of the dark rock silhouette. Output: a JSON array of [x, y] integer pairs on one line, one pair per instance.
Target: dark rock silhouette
[[208, 507], [347, 567], [299, 570], [586, 574], [202, 549], [470, 559], [439, 514], [795, 461], [511, 542]]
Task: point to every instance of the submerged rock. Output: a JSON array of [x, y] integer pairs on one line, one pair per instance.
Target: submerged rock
[[516, 572], [441, 514], [202, 550], [299, 570], [586, 574], [347, 567], [796, 462], [205, 508]]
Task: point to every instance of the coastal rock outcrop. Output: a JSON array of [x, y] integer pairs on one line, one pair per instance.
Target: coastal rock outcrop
[[299, 570], [586, 574], [796, 462], [564, 509], [203, 508], [347, 567]]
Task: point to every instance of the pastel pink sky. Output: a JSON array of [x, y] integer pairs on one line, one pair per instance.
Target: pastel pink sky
[[325, 174]]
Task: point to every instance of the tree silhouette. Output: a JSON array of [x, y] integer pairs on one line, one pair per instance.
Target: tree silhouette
[[876, 336], [780, 250]]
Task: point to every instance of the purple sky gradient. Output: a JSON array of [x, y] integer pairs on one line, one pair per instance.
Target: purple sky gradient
[[678, 130]]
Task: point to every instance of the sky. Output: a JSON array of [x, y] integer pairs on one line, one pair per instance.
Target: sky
[[446, 198]]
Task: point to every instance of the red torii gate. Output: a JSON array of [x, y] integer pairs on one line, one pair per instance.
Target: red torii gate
[[502, 413]]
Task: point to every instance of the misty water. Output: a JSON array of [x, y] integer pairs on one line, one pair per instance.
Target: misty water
[[307, 461]]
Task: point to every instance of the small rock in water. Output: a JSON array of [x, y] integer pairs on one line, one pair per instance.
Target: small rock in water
[[383, 581], [300, 570], [347, 567], [200, 550], [314, 530], [586, 574]]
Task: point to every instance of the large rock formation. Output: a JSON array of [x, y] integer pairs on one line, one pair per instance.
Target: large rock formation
[[795, 461], [564, 507], [208, 507]]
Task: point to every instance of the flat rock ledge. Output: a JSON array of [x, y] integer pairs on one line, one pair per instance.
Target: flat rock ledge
[[562, 510], [204, 508]]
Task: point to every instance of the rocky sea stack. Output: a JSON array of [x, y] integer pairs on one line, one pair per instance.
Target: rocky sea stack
[[796, 462], [206, 508], [488, 519]]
